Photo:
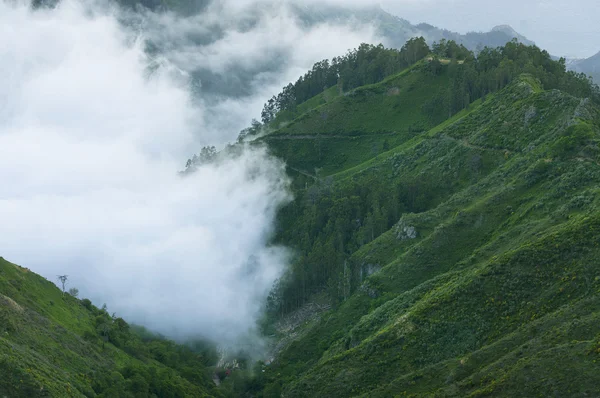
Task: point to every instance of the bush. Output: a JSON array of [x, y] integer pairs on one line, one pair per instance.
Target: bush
[[575, 137], [7, 322], [90, 336], [87, 304]]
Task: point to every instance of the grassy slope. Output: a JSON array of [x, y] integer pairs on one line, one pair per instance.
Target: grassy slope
[[344, 131], [498, 294], [42, 347]]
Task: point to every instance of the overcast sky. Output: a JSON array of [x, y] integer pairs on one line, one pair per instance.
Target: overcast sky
[[564, 27]]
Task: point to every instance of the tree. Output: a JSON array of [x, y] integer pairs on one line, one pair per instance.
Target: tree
[[74, 292], [252, 131], [63, 281], [104, 331], [87, 303], [414, 50]]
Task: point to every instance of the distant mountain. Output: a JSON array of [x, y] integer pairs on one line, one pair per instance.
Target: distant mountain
[[397, 30], [241, 80], [589, 66]]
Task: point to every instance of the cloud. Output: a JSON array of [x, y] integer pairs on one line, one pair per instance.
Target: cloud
[[99, 109], [241, 53], [90, 146]]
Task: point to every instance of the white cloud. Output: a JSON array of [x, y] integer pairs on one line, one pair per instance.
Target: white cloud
[[254, 47], [89, 152]]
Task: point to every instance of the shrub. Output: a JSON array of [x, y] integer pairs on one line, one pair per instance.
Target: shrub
[[87, 304]]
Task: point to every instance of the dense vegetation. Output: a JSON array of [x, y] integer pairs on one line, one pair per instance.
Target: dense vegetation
[[327, 226], [449, 213], [494, 69], [491, 70], [367, 64], [53, 344]]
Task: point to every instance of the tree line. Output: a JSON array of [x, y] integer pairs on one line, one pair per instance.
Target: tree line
[[367, 64], [492, 70]]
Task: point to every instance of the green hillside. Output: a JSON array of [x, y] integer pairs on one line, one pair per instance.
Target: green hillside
[[462, 260], [55, 345], [349, 129]]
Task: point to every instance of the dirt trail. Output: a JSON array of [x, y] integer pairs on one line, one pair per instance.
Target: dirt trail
[[323, 136], [304, 173]]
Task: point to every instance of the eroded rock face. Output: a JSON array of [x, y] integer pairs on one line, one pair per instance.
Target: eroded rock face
[[405, 231]]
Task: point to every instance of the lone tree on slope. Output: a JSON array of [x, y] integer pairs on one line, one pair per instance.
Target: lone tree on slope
[[63, 281]]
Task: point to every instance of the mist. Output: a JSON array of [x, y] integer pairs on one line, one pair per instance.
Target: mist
[[93, 131], [240, 53]]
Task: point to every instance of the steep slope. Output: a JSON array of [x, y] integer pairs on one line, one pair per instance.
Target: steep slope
[[55, 345], [488, 284], [326, 226]]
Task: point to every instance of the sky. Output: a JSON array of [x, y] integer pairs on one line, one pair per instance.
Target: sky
[[564, 28]]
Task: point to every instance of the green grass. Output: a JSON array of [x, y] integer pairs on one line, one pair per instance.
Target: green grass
[[344, 131]]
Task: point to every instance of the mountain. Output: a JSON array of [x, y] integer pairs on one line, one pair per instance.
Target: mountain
[[589, 66], [396, 31], [474, 41], [441, 251], [53, 344], [444, 237], [445, 231]]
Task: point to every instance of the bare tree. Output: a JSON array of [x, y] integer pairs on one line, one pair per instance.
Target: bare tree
[[74, 292], [63, 280]]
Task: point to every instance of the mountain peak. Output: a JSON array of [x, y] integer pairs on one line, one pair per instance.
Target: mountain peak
[[506, 29]]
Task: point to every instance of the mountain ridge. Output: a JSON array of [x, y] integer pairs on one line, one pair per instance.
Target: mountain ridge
[[463, 294], [397, 30]]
